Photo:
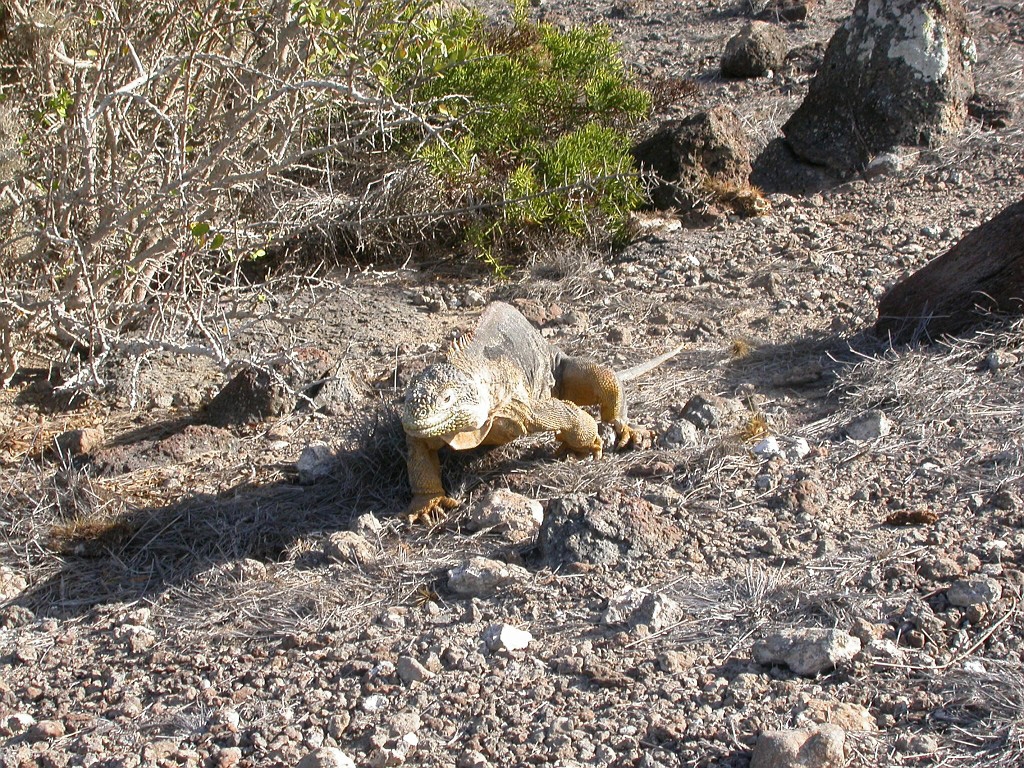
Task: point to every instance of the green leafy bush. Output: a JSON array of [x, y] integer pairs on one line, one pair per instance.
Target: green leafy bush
[[526, 122]]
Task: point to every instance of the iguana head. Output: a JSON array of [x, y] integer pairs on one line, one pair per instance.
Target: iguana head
[[443, 401]]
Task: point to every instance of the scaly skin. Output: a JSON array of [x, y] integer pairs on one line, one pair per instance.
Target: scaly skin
[[502, 382]]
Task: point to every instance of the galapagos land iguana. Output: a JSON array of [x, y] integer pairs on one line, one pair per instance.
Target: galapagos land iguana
[[503, 381]]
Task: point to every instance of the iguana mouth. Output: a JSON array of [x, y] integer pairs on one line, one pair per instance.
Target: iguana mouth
[[427, 429], [440, 427]]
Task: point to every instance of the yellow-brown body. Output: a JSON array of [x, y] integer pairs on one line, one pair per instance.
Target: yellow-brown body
[[500, 383]]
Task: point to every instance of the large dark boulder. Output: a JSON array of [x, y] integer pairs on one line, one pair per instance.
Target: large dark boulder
[[754, 51], [694, 157], [897, 72], [984, 271]]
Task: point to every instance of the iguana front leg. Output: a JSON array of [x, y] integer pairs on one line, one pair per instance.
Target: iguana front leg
[[586, 382], [428, 496]]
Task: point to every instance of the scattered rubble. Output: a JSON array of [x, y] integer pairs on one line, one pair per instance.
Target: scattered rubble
[[210, 611]]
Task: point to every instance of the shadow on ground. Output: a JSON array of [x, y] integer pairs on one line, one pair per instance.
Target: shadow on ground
[[140, 553]]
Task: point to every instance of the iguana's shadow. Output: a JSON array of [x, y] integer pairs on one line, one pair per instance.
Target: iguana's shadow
[[142, 553]]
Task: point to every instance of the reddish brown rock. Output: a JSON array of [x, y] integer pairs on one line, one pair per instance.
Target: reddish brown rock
[[984, 271], [79, 442]]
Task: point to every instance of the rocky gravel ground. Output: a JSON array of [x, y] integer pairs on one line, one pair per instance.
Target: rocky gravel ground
[[820, 563]]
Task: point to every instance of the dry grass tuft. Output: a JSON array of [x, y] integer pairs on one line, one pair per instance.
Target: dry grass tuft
[[740, 348], [984, 715], [945, 385], [754, 428]]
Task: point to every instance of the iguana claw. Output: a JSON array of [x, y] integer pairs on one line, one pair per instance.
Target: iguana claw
[[428, 508], [632, 437]]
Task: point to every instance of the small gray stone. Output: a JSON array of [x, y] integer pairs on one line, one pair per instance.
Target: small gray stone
[[411, 671], [249, 569], [482, 576], [474, 298], [870, 425], [137, 638], [11, 583], [45, 730], [473, 759], [885, 164], [807, 651], [1000, 361], [505, 511], [756, 50], [620, 335], [704, 413], [980, 590], [703, 150], [79, 442], [17, 722], [373, 703], [680, 433], [657, 612], [796, 448], [350, 547], [622, 606], [316, 462], [939, 567], [505, 637], [335, 395], [638, 606], [254, 395], [848, 715], [228, 757], [401, 724], [607, 529], [767, 447], [368, 526], [924, 744], [326, 757], [821, 747], [13, 616]]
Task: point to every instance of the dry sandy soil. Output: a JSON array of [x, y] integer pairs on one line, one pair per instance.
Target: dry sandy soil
[[171, 601]]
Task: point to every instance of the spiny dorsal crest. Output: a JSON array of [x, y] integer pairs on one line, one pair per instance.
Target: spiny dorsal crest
[[458, 345]]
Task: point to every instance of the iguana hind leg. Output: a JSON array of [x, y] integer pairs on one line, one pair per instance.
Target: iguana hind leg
[[586, 382], [573, 427], [428, 496]]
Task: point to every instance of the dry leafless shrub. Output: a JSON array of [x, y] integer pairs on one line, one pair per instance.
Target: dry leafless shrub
[[161, 147], [166, 151]]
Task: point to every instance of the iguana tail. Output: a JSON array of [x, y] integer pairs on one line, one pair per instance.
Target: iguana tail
[[640, 369]]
